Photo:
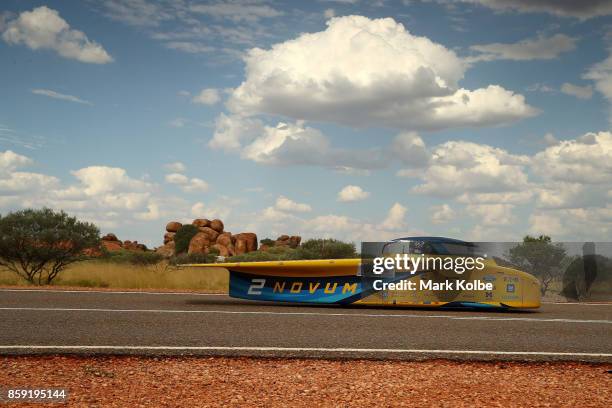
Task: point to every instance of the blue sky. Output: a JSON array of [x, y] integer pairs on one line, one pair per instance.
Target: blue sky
[[478, 119]]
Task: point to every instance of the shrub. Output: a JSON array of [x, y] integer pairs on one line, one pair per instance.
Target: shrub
[[326, 249], [183, 237], [273, 254], [38, 244], [267, 241], [132, 257], [194, 258]]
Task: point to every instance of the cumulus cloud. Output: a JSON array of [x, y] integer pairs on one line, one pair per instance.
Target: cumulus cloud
[[43, 28], [583, 160], [9, 161], [56, 95], [396, 218], [459, 167], [580, 92], [410, 149], [289, 144], [208, 96], [365, 72], [285, 204], [441, 214], [529, 49], [583, 9], [175, 167], [352, 193], [19, 182], [195, 185], [188, 185], [491, 214], [231, 131], [176, 178], [201, 210], [601, 75], [336, 226], [103, 179]]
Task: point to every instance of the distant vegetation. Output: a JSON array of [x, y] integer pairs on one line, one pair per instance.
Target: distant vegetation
[[131, 257], [267, 241], [311, 249]]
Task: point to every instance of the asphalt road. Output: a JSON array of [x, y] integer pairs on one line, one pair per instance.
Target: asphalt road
[[34, 322]]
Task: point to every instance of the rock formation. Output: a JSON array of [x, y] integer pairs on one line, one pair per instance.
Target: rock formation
[[211, 235], [289, 241], [111, 243]]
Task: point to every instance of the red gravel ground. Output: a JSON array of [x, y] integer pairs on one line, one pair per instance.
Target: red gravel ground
[[193, 382]]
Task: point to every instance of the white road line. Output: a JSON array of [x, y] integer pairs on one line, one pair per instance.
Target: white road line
[[113, 292], [304, 349], [242, 312]]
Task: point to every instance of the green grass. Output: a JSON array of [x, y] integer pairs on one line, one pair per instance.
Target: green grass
[[102, 274]]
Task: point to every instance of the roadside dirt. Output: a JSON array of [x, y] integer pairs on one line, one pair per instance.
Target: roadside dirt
[[193, 382]]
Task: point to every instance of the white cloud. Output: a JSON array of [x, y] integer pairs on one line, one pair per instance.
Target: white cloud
[[152, 213], [43, 28], [289, 144], [19, 182], [580, 92], [546, 224], [176, 178], [201, 210], [56, 95], [584, 160], [459, 167], [140, 13], [601, 75], [329, 13], [540, 48], [410, 149], [396, 218], [208, 96], [285, 204], [9, 161], [510, 197], [102, 179], [176, 167], [190, 47], [237, 11], [583, 9], [193, 185], [352, 193], [364, 72], [232, 131], [441, 214], [550, 139], [491, 214]]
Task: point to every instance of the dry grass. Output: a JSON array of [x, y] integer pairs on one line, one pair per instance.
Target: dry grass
[[113, 275]]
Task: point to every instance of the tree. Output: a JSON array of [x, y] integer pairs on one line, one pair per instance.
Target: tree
[[540, 257], [183, 237], [38, 244]]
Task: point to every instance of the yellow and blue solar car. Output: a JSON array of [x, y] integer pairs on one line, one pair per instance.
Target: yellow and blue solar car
[[347, 282]]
